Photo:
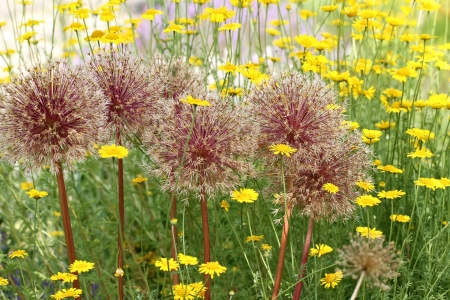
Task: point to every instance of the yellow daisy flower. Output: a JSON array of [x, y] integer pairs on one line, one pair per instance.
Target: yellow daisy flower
[[369, 233], [36, 194], [391, 194], [212, 268], [254, 238], [330, 188], [18, 253], [367, 200], [282, 149], [198, 102], [400, 218], [187, 260], [109, 151], [244, 195], [320, 250], [167, 265], [3, 281], [331, 279], [81, 266]]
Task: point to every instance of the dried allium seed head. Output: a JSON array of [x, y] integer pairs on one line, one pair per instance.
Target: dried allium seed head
[[219, 149], [177, 76], [299, 111], [49, 113], [370, 256], [342, 163], [284, 198], [130, 91]]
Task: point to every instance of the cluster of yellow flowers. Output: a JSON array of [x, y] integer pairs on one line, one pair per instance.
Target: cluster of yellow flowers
[[14, 254], [374, 58], [197, 289], [78, 266]]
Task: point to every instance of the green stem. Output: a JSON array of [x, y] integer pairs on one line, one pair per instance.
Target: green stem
[[34, 246]]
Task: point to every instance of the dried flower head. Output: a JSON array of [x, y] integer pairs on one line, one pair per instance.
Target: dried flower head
[[177, 76], [372, 258], [293, 109], [220, 142], [344, 162], [50, 112], [130, 91], [119, 272]]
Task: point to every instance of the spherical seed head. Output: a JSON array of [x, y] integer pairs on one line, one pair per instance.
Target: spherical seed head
[[219, 148], [177, 76], [296, 110], [342, 163], [49, 113], [126, 84], [369, 255]]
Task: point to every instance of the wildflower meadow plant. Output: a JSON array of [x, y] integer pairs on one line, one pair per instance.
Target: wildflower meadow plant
[[274, 149], [52, 113], [202, 149], [130, 97]]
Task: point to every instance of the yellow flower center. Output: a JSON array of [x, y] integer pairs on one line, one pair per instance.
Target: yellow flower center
[[330, 278], [403, 72]]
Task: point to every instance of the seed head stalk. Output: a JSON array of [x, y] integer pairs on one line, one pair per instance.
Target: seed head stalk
[[358, 285], [206, 242], [121, 229], [66, 220], [35, 241], [173, 208], [173, 248], [299, 286], [284, 235]]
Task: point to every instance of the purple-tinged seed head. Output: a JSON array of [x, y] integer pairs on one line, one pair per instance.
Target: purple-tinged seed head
[[128, 88], [177, 76], [49, 113], [219, 149]]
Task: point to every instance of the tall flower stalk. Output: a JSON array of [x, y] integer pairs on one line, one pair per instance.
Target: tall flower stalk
[[206, 242], [299, 117], [292, 114], [283, 243], [130, 95], [341, 166], [282, 149], [50, 114], [65, 215], [177, 79], [121, 225], [304, 259], [200, 150]]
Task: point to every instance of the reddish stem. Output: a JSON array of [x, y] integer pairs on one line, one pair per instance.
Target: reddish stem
[[173, 214], [206, 242], [299, 286], [284, 237], [66, 220], [283, 244]]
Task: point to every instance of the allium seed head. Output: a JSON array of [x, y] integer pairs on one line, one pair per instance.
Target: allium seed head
[[49, 113], [130, 91], [343, 163], [296, 110], [371, 257], [219, 148], [177, 76]]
